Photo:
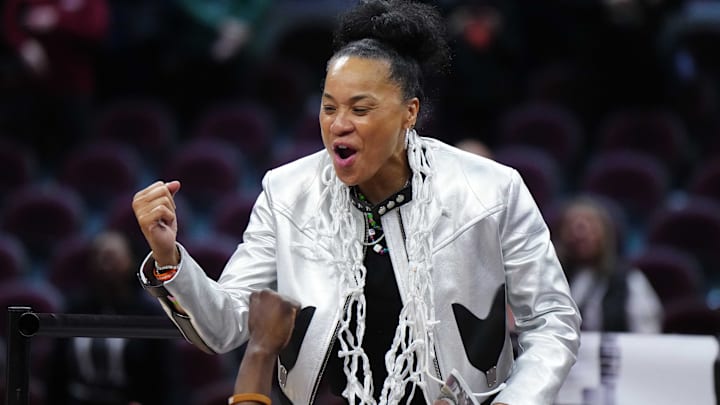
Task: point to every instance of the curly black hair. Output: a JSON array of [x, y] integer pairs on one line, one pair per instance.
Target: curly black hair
[[409, 35]]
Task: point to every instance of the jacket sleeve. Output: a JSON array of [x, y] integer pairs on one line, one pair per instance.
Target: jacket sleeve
[[218, 311], [547, 319]]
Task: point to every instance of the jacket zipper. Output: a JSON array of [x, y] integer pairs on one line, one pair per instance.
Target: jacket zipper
[[328, 353], [404, 235]]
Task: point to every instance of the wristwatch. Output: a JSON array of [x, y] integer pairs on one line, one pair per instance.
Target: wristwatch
[[157, 289]]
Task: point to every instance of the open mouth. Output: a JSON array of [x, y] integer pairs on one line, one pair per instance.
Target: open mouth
[[344, 152]]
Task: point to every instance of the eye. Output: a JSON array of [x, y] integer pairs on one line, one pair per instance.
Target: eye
[[329, 109], [360, 110]]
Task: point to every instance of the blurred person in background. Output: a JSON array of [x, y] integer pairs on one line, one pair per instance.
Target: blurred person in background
[[56, 42], [612, 297], [475, 146], [110, 370], [223, 27], [211, 48]]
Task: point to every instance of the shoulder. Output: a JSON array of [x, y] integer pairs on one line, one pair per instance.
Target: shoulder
[[302, 170], [472, 165], [288, 183], [477, 176]]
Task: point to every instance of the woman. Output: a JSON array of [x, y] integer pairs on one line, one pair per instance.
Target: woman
[[612, 296], [401, 250]]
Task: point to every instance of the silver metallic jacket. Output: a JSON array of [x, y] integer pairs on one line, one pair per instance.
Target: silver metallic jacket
[[491, 248]]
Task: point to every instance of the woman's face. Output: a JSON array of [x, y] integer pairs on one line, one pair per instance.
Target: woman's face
[[583, 234], [112, 259], [363, 119]]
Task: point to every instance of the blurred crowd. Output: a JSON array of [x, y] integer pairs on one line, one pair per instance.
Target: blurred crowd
[[610, 110]]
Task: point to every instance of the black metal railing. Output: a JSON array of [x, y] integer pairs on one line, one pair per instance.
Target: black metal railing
[[23, 324]]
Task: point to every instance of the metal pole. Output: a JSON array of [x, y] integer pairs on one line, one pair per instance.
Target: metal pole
[[23, 324], [18, 359], [119, 326]]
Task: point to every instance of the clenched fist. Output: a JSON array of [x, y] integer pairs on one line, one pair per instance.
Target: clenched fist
[[271, 321], [154, 209]]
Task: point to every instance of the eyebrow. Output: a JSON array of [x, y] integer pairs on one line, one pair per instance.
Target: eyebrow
[[353, 99]]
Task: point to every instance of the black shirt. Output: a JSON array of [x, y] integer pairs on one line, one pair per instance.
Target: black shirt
[[383, 304]]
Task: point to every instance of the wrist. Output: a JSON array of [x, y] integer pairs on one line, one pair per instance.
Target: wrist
[[164, 273], [249, 397], [261, 352], [171, 258]]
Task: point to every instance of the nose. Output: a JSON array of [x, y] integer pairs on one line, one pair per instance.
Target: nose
[[341, 125]]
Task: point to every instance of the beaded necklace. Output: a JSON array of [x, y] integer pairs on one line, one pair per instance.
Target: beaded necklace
[[374, 234], [373, 229]]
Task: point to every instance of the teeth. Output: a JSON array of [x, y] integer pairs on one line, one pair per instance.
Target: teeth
[[342, 147]]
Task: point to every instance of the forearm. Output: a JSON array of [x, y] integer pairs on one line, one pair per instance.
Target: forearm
[[256, 371], [213, 312]]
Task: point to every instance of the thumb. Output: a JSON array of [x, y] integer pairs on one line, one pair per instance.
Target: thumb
[[173, 186]]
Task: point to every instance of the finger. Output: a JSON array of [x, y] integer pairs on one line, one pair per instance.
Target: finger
[[163, 215], [254, 297], [162, 190], [156, 216], [290, 328], [288, 305], [148, 214], [153, 195], [291, 310], [293, 302], [173, 187], [158, 187], [287, 340], [148, 194], [288, 302], [140, 195]]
